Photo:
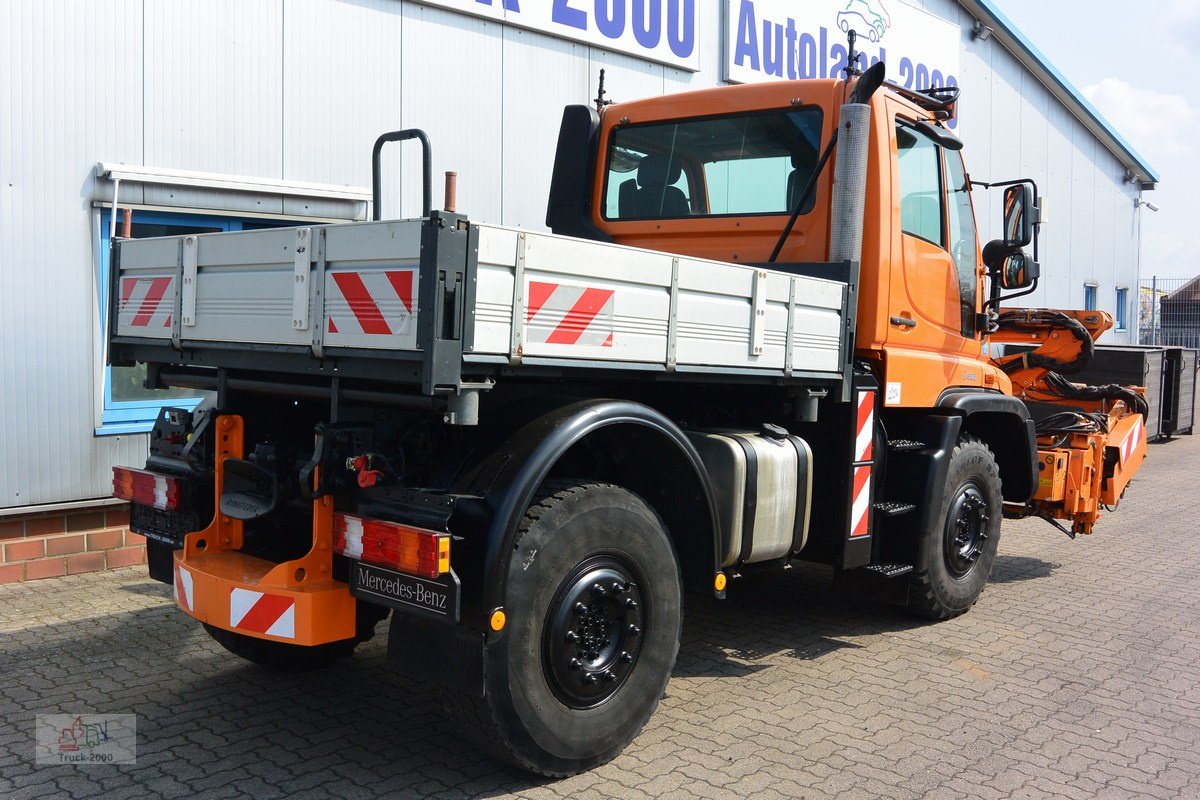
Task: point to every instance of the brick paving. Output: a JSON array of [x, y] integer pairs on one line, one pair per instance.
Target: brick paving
[[1076, 676]]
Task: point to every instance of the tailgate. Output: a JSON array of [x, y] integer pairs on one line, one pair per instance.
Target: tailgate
[[334, 286]]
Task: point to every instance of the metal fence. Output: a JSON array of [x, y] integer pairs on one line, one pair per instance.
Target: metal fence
[[1168, 312]]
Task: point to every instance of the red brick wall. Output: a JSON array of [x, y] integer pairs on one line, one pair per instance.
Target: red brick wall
[[66, 543]]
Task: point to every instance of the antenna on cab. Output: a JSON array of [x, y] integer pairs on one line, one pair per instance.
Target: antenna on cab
[[852, 69], [600, 101]]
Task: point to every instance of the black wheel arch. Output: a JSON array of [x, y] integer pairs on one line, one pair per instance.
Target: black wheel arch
[[644, 451], [1003, 423]]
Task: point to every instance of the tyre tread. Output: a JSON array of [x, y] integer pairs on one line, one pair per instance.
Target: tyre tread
[[476, 716], [922, 600]]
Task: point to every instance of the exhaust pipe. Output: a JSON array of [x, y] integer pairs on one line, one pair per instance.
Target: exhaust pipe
[[848, 208]]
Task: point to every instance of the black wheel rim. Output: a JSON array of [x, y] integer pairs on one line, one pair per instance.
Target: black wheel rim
[[594, 631], [966, 530]]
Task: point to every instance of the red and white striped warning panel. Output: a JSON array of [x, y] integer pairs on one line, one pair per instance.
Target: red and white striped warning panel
[[147, 303], [260, 612], [860, 509], [864, 453], [1132, 440], [562, 314], [183, 588], [370, 303], [864, 432]]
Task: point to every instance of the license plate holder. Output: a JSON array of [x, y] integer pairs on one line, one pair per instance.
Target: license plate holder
[[436, 598]]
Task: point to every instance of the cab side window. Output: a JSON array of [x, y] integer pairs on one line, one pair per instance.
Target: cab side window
[[920, 185], [962, 237]]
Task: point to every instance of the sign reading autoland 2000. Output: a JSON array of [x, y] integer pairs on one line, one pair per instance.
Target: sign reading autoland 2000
[[666, 31], [770, 39]]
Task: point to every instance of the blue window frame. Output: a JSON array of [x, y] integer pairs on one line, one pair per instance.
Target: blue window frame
[[1122, 308], [1089, 297], [129, 408]]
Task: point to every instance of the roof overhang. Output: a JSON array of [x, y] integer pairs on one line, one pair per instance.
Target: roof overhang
[[1006, 33], [230, 183]]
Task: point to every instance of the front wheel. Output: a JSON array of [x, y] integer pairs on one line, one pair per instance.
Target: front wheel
[[955, 555], [594, 609]]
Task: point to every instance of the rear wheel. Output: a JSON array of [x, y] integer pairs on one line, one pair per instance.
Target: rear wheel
[[955, 555], [293, 657], [594, 610]]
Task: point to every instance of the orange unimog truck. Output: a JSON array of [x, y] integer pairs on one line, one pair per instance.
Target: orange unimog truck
[[761, 330]]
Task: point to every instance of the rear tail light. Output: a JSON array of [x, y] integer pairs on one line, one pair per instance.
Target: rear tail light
[[146, 488], [390, 544]]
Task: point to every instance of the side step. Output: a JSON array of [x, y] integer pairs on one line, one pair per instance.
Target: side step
[[892, 509], [905, 445], [891, 570]]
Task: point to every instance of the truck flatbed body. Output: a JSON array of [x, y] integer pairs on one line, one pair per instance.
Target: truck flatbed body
[[450, 298]]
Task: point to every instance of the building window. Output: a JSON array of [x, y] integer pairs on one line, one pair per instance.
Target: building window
[[1122, 308], [129, 407], [1089, 297]]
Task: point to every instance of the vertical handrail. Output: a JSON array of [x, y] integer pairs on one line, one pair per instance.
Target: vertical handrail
[[426, 170]]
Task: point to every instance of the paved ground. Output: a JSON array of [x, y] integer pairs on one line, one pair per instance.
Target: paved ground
[[1077, 675]]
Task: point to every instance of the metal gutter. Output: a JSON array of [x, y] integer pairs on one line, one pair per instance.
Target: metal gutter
[[1007, 34], [230, 183]]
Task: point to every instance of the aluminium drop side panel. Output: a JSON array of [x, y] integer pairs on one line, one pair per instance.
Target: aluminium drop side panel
[[494, 299], [596, 301], [718, 314], [244, 288], [371, 285], [146, 290]]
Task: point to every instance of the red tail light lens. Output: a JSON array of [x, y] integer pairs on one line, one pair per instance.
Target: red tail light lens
[[390, 544], [146, 488]]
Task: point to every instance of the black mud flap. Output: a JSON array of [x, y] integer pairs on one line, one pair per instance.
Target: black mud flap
[[448, 655], [160, 558]]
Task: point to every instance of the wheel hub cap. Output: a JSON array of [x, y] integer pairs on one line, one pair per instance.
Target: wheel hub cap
[[966, 530], [593, 632]]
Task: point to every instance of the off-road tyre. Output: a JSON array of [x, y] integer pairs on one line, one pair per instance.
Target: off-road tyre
[[536, 712], [955, 556], [296, 658]]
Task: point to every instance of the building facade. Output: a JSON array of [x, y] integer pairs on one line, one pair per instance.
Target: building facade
[[229, 115]]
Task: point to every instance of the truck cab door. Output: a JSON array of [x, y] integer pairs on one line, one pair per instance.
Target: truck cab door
[[931, 342]]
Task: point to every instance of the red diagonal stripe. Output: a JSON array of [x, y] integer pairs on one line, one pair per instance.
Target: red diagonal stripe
[[158, 288], [861, 476], [860, 480], [580, 316], [265, 612], [539, 293], [402, 283], [361, 304], [127, 287], [866, 405]]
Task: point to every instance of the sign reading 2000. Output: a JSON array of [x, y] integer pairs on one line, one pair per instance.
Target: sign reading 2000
[[771, 39], [666, 31]]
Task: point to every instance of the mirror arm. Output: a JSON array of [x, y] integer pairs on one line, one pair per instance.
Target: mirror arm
[[996, 300]]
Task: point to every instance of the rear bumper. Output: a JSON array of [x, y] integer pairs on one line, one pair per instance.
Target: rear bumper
[[236, 592]]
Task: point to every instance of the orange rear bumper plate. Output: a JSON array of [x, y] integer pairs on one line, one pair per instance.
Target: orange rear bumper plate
[[222, 590]]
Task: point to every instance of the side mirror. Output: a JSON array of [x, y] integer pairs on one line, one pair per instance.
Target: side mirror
[[1019, 272], [1018, 215]]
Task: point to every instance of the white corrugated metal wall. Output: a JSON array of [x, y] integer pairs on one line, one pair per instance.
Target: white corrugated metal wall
[[1014, 128], [298, 89]]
